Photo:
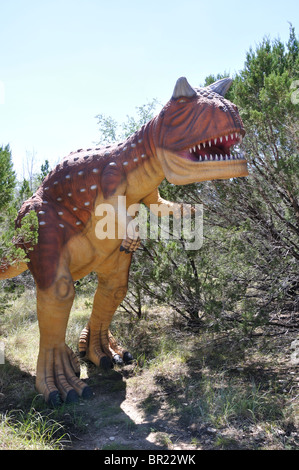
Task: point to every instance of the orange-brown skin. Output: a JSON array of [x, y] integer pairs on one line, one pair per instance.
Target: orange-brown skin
[[68, 248]]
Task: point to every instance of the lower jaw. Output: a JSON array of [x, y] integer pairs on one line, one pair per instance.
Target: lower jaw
[[208, 171]]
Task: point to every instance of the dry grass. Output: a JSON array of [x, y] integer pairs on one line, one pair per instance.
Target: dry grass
[[188, 390]]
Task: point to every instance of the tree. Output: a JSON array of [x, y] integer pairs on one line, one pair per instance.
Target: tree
[[7, 178], [253, 222], [111, 131], [9, 237], [246, 274]]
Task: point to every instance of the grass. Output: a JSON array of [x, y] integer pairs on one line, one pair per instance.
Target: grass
[[197, 390], [31, 431]]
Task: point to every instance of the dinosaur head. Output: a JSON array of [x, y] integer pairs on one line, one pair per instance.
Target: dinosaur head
[[199, 129]]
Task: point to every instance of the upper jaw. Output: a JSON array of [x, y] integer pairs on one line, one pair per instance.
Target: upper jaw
[[217, 148]]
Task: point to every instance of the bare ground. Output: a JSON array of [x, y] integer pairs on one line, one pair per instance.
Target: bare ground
[[147, 412]]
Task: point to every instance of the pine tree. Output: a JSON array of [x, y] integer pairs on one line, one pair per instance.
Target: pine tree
[[7, 178]]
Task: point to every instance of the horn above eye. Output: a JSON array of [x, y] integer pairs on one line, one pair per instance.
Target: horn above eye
[[221, 86], [183, 88]]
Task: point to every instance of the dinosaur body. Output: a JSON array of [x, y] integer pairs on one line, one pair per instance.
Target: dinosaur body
[[188, 141]]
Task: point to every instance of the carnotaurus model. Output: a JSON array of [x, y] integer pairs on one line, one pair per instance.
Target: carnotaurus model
[[189, 141]]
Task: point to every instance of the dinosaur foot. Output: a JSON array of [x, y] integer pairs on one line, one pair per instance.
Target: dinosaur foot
[[105, 352], [57, 377]]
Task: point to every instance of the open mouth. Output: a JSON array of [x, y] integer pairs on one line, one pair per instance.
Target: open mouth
[[222, 148]]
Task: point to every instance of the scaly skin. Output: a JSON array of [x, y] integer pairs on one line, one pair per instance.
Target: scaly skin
[[181, 144]]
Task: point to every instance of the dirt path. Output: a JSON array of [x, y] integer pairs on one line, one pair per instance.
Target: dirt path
[[134, 413], [115, 419]]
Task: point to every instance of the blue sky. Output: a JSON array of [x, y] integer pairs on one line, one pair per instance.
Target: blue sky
[[65, 61]]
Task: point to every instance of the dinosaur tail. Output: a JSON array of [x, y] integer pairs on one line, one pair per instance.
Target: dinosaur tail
[[8, 271]]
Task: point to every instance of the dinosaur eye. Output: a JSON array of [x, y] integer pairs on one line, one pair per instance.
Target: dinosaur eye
[[182, 101]]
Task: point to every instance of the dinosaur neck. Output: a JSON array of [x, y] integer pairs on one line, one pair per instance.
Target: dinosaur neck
[[139, 160]]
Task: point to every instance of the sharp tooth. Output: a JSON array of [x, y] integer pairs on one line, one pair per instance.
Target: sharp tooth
[[190, 150], [204, 145], [194, 148], [215, 141], [210, 143], [237, 135], [232, 136], [226, 137], [221, 158], [221, 140], [206, 158], [198, 146], [216, 157]]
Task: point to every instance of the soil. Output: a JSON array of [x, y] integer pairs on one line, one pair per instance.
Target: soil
[[133, 413]]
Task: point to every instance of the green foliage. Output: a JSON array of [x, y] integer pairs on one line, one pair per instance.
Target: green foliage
[[15, 243], [245, 276], [7, 178]]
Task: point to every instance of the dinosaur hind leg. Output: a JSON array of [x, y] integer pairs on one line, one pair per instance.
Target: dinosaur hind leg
[[57, 367], [96, 342]]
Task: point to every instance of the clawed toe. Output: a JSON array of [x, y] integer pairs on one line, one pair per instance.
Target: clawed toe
[[57, 377]]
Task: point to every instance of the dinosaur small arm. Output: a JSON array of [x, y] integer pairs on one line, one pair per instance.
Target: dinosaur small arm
[[190, 140]]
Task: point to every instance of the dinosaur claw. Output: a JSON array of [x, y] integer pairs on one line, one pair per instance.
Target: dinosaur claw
[[87, 393], [127, 358], [117, 359], [54, 399], [71, 397]]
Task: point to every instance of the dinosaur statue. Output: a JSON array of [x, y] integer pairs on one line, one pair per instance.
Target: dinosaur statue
[[188, 141]]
